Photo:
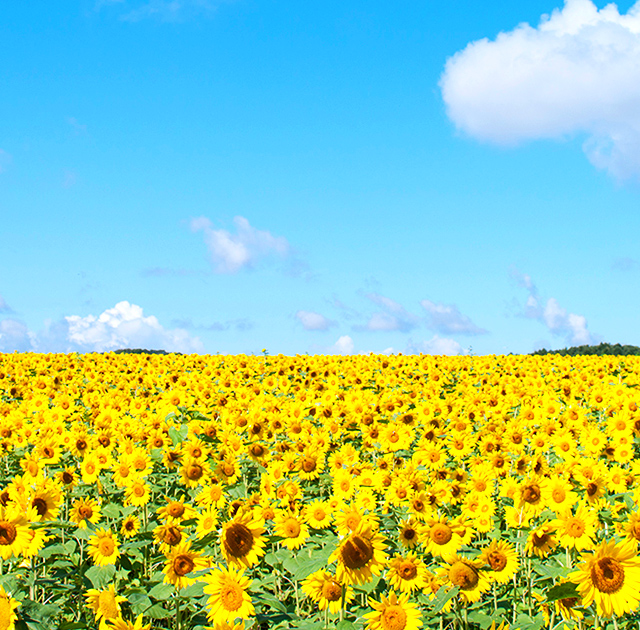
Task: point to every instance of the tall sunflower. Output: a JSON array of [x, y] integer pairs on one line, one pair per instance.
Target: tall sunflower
[[181, 565], [502, 558], [242, 541], [360, 556], [105, 604], [324, 589], [8, 607], [610, 576], [103, 547], [407, 573], [393, 613], [228, 597], [467, 575]]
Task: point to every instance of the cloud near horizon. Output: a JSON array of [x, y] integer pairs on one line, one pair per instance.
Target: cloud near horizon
[[577, 72], [448, 320], [558, 320], [123, 326]]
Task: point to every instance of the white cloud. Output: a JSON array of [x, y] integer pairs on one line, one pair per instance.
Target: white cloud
[[5, 160], [578, 71], [14, 335], [557, 319], [435, 345], [313, 321], [392, 317], [344, 345], [230, 253], [123, 326], [447, 319]]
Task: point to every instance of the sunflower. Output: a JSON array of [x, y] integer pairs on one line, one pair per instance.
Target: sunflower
[[411, 533], [393, 613], [318, 514], [121, 624], [138, 493], [14, 533], [130, 526], [207, 521], [577, 530], [292, 528], [324, 589], [105, 604], [467, 575], [442, 538], [541, 541], [176, 511], [103, 547], [502, 558], [46, 501], [168, 536], [360, 556], [228, 598], [407, 573], [631, 529], [181, 563], [610, 576], [84, 511], [242, 541], [8, 607], [559, 495]]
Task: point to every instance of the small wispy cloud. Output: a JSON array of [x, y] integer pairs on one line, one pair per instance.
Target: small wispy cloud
[[160, 10], [311, 320], [4, 307], [392, 316], [625, 264], [556, 319], [448, 320], [230, 253], [78, 128], [344, 345], [435, 345]]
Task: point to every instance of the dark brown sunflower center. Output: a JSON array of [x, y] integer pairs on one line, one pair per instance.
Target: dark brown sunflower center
[[175, 509], [8, 533], [309, 464], [239, 540], [592, 489], [356, 552], [464, 576], [531, 493], [607, 575], [172, 536], [407, 570], [497, 560], [40, 505], [182, 565], [331, 591], [194, 472]]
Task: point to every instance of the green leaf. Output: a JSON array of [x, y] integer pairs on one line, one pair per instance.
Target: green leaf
[[112, 510], [443, 596], [162, 591], [270, 601], [100, 576], [562, 591], [157, 611]]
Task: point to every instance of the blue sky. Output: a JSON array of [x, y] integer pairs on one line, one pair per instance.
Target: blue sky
[[335, 177]]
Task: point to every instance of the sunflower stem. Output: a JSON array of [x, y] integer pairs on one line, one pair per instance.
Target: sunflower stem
[[178, 620]]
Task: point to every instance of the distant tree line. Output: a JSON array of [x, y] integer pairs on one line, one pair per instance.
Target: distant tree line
[[601, 349], [142, 351]]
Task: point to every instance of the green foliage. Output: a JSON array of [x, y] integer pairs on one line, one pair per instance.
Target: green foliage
[[602, 349]]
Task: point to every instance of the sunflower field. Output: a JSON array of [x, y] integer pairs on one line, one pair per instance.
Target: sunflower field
[[144, 491]]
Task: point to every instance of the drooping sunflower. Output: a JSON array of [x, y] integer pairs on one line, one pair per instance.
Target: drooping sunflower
[[610, 576], [541, 541], [502, 559], [360, 556], [242, 541], [407, 573], [103, 547], [393, 613], [8, 607], [105, 604], [228, 597], [181, 565], [467, 575], [325, 589]]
